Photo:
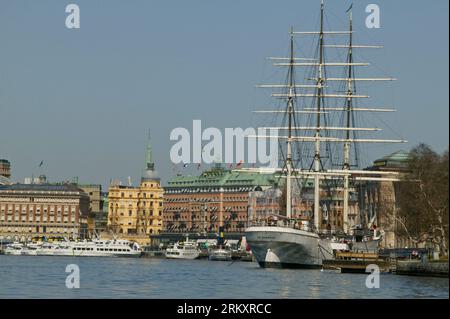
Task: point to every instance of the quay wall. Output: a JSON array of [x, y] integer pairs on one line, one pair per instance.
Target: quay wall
[[419, 268]]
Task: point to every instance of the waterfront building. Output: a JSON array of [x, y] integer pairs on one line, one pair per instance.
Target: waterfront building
[[200, 204], [137, 210], [94, 191], [5, 168], [101, 218], [42, 210], [377, 199]]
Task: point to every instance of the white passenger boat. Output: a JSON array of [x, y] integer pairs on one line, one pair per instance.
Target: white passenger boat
[[47, 249], [95, 248], [183, 250], [31, 249], [220, 254], [13, 249]]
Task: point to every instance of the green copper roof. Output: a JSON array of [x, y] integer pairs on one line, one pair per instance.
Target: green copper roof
[[396, 159], [220, 177]]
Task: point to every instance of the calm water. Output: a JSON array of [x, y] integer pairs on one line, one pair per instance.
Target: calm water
[[44, 277]]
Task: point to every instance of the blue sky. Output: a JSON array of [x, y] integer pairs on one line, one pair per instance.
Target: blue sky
[[82, 100]]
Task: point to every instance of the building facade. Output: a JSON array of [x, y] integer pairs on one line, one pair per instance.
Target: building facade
[[217, 197], [94, 191], [41, 210], [137, 210], [5, 172], [377, 199]]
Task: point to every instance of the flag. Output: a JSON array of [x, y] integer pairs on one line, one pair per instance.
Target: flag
[[349, 8], [41, 163]]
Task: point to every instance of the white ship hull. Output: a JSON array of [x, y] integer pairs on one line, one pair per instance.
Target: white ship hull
[[96, 248], [76, 253], [29, 252], [183, 250], [282, 247], [220, 255], [15, 252], [182, 255]]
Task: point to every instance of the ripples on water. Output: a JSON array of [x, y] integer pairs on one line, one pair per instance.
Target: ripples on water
[[44, 277]]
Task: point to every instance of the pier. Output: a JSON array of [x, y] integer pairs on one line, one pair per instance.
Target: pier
[[356, 262]]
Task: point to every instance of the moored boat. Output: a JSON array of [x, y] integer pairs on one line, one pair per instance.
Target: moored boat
[[13, 249], [220, 254], [311, 157], [183, 250]]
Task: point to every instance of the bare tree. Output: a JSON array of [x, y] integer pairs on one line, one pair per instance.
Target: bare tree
[[423, 198]]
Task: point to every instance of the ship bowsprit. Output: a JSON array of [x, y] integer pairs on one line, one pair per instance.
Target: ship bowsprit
[[283, 247]]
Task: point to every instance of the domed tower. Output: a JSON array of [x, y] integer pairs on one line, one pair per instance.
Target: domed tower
[[149, 174]]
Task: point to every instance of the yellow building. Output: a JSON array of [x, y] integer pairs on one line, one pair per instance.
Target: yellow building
[[137, 211]]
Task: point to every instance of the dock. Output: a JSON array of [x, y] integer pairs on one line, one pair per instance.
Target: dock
[[356, 262]]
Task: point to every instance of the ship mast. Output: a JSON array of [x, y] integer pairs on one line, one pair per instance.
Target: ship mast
[[320, 82], [290, 109], [319, 109], [348, 116]]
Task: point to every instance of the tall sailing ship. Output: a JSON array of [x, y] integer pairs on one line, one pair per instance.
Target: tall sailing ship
[[320, 119]]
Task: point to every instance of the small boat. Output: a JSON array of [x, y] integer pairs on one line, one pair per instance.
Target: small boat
[[13, 249], [183, 250], [220, 254], [31, 249], [47, 249]]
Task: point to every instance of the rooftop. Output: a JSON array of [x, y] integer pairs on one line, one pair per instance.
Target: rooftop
[[41, 187], [221, 177], [397, 160]]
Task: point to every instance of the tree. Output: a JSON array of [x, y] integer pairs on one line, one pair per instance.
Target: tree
[[423, 198]]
